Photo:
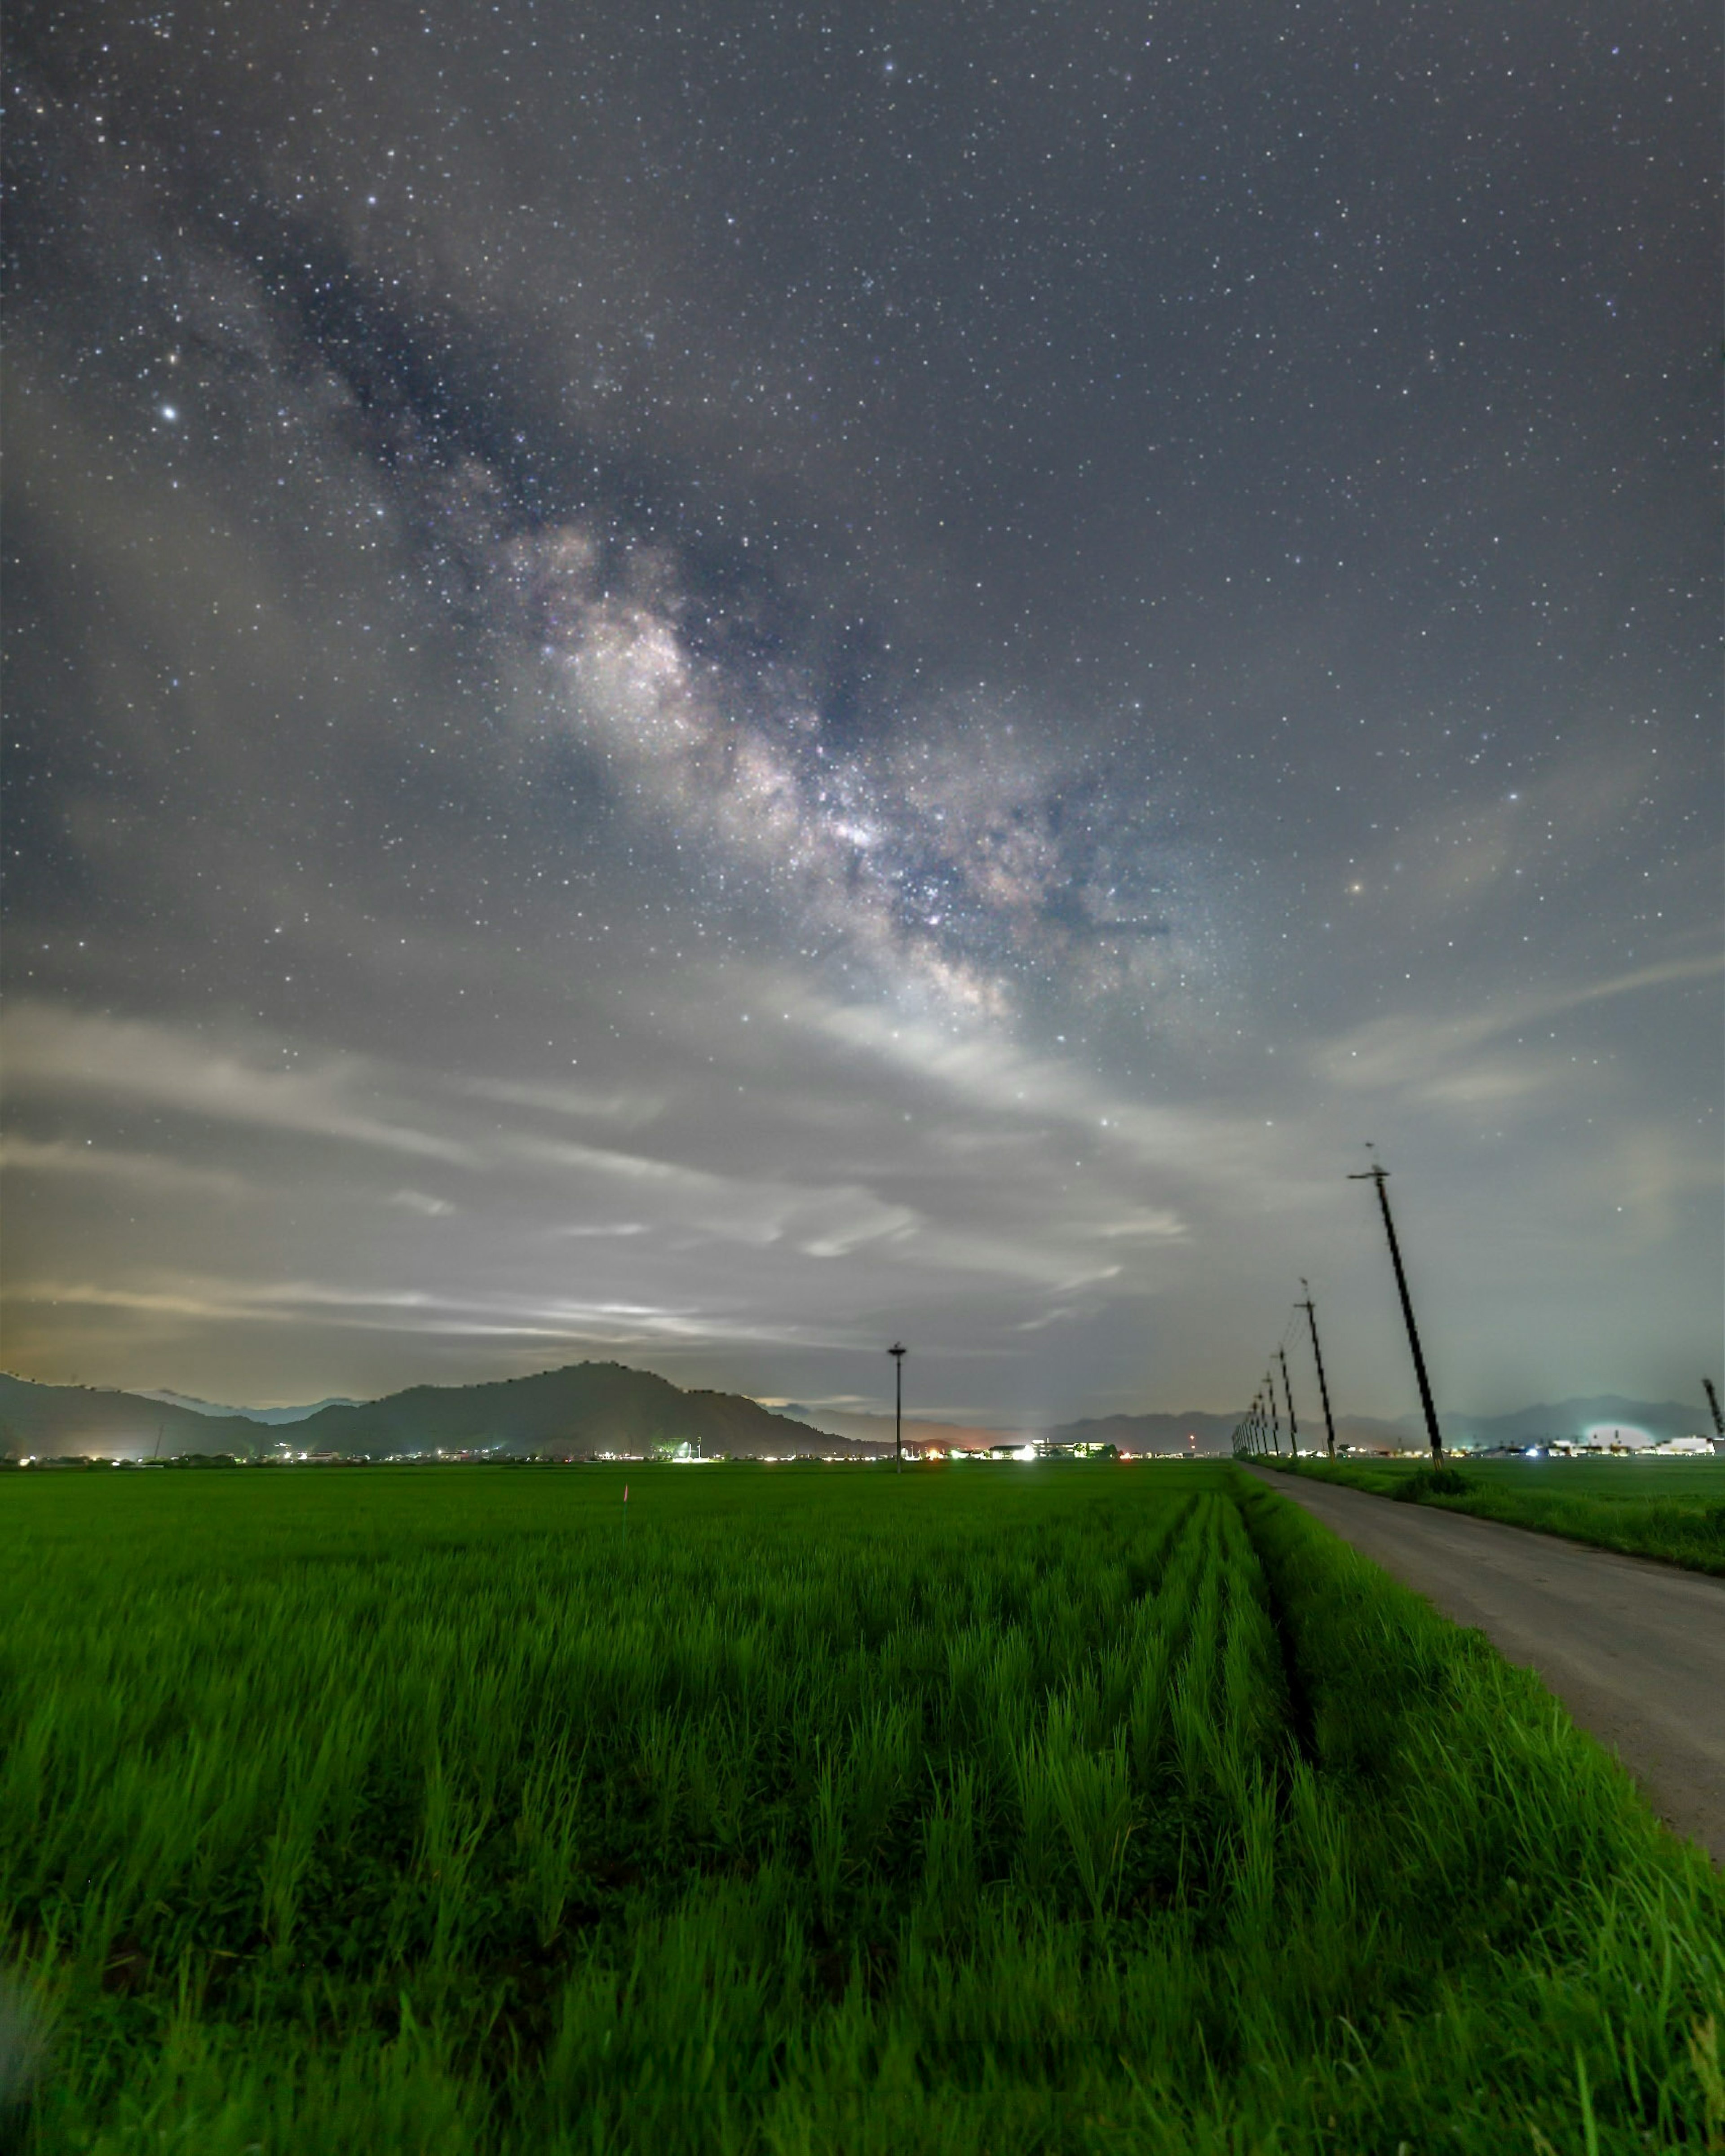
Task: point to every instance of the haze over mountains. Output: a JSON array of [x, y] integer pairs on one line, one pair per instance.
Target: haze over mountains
[[276, 1418], [604, 1407]]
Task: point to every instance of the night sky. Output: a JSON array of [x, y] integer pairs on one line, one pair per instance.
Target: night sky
[[711, 685]]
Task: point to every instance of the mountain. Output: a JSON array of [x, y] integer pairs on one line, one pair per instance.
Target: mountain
[[1565, 1418], [876, 1429], [62, 1418], [1150, 1433], [1572, 1419], [603, 1407], [272, 1418], [586, 1408]]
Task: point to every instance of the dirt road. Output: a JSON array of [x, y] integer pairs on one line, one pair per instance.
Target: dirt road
[[1634, 1649]]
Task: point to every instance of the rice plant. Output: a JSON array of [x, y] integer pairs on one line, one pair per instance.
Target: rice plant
[[1102, 1808]]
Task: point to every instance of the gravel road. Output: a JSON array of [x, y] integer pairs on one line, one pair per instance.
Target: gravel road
[[1634, 1649]]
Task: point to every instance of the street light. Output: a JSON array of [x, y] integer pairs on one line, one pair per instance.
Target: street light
[[898, 1352]]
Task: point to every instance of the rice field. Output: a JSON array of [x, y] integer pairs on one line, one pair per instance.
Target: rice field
[[1672, 1509], [1099, 1807]]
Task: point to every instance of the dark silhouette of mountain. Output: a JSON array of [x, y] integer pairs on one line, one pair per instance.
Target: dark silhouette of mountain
[[72, 1419], [274, 1418], [585, 1408], [876, 1430], [1572, 1419], [1150, 1433], [603, 1407], [1171, 1433], [1564, 1419]]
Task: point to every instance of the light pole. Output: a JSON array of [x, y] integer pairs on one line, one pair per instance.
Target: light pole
[[898, 1352], [1377, 1173]]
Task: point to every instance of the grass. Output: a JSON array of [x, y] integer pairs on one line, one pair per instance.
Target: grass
[[1099, 1809], [1672, 1509]]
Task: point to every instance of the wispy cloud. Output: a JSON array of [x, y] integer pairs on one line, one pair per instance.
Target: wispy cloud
[[631, 1108], [49, 1049], [1437, 1058], [157, 1172]]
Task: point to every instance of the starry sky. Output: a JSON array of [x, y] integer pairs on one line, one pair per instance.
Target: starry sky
[[710, 684]]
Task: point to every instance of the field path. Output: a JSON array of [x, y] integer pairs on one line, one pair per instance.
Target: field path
[[1634, 1649]]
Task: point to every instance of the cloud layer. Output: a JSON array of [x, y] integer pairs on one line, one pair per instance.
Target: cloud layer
[[637, 724]]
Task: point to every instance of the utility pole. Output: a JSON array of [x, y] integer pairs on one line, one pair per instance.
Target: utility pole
[[1275, 1419], [897, 1352], [1288, 1394], [1377, 1173], [1317, 1357], [1713, 1403]]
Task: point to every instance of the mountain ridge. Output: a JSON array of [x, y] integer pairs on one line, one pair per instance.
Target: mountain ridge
[[584, 1408], [268, 1418]]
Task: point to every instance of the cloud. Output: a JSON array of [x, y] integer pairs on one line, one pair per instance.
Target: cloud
[[49, 1048], [1437, 1060], [632, 1107], [983, 1070], [146, 1171], [203, 1300], [822, 1221], [208, 1299]]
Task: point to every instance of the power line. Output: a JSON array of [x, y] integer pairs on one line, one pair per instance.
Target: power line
[[1378, 1174], [1317, 1357], [1281, 1356]]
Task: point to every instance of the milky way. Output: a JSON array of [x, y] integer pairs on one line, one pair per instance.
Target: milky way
[[707, 687]]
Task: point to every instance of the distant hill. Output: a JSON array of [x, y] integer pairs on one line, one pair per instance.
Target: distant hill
[[604, 1407], [586, 1408], [272, 1418], [1150, 1433], [1564, 1419], [1571, 1419], [1169, 1433], [876, 1429], [61, 1419]]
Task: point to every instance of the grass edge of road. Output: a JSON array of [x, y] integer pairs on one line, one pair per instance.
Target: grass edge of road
[[1685, 1529]]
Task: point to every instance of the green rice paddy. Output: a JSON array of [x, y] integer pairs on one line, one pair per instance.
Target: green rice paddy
[[1672, 1509], [1099, 1807]]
